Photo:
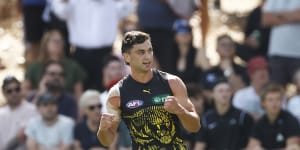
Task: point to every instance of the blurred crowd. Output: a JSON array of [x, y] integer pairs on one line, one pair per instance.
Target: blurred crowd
[[71, 64]]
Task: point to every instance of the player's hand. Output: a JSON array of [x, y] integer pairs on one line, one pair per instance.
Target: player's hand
[[172, 106], [106, 121]]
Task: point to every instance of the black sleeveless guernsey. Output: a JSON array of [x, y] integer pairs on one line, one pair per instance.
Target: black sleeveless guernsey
[[150, 125]]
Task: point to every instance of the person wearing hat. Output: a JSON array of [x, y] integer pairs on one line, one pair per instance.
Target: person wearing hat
[[224, 126], [247, 98], [14, 115], [184, 53], [49, 130]]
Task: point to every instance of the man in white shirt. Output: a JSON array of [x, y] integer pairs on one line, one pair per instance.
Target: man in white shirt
[[49, 130], [284, 18], [92, 26], [14, 116], [248, 98]]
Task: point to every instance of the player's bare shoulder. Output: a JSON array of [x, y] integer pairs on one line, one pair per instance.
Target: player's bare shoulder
[[174, 80]]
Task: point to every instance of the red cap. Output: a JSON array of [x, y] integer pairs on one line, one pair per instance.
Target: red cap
[[256, 63]]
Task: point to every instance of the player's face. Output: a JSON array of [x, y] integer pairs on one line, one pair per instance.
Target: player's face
[[140, 57], [272, 103]]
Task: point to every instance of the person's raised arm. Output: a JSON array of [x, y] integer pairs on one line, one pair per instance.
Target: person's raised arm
[[110, 121], [181, 105]]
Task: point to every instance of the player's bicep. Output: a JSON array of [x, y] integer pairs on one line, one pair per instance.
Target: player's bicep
[[180, 92]]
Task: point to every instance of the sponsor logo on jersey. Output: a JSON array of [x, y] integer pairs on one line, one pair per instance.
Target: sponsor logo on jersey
[[134, 104], [159, 99]]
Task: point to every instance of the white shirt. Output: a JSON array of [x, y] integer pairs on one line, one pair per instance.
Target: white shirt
[[92, 23], [51, 136], [294, 105], [247, 99], [12, 120], [284, 39]]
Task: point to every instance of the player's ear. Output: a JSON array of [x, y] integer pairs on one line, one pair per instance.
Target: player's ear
[[126, 57]]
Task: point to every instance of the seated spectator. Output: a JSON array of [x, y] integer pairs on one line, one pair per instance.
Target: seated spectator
[[85, 132], [184, 54], [294, 103], [53, 78], [276, 129], [14, 115], [235, 73], [224, 127], [248, 98], [52, 49], [49, 130], [196, 96]]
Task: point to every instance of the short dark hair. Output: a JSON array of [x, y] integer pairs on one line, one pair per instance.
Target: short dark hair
[[269, 88], [132, 38], [52, 62], [110, 58], [46, 98], [8, 80], [224, 36]]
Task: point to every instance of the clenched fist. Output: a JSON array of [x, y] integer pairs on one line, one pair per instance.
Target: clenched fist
[[172, 106], [106, 121]]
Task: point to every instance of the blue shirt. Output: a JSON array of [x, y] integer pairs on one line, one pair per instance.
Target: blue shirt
[[33, 2]]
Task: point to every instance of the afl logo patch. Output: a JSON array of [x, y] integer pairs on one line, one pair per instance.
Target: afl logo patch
[[134, 104]]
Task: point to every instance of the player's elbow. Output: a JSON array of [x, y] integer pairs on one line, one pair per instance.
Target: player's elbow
[[194, 128], [102, 139]]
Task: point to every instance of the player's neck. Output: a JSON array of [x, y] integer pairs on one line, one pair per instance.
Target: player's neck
[[142, 77]]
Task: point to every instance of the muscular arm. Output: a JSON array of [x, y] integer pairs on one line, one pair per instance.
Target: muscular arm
[[109, 122], [186, 111]]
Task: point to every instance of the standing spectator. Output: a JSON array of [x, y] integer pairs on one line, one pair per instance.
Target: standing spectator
[[256, 36], [34, 27], [14, 116], [224, 127], [276, 129], [53, 78], [49, 130], [156, 18], [85, 132], [184, 54], [283, 18], [294, 102], [92, 26], [248, 98], [52, 49]]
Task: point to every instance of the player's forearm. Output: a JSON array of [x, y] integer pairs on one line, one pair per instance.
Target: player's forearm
[[105, 137], [189, 120]]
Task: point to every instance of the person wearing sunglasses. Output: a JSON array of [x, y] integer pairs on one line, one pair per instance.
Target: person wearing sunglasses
[[85, 132], [14, 115]]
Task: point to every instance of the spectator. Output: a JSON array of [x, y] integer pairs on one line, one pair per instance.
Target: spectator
[[49, 130], [53, 78], [34, 27], [284, 57], [227, 68], [113, 71], [156, 18], [197, 98], [294, 102], [52, 50], [224, 127], [14, 116], [256, 36], [276, 129], [248, 98], [184, 54], [85, 132], [92, 27]]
